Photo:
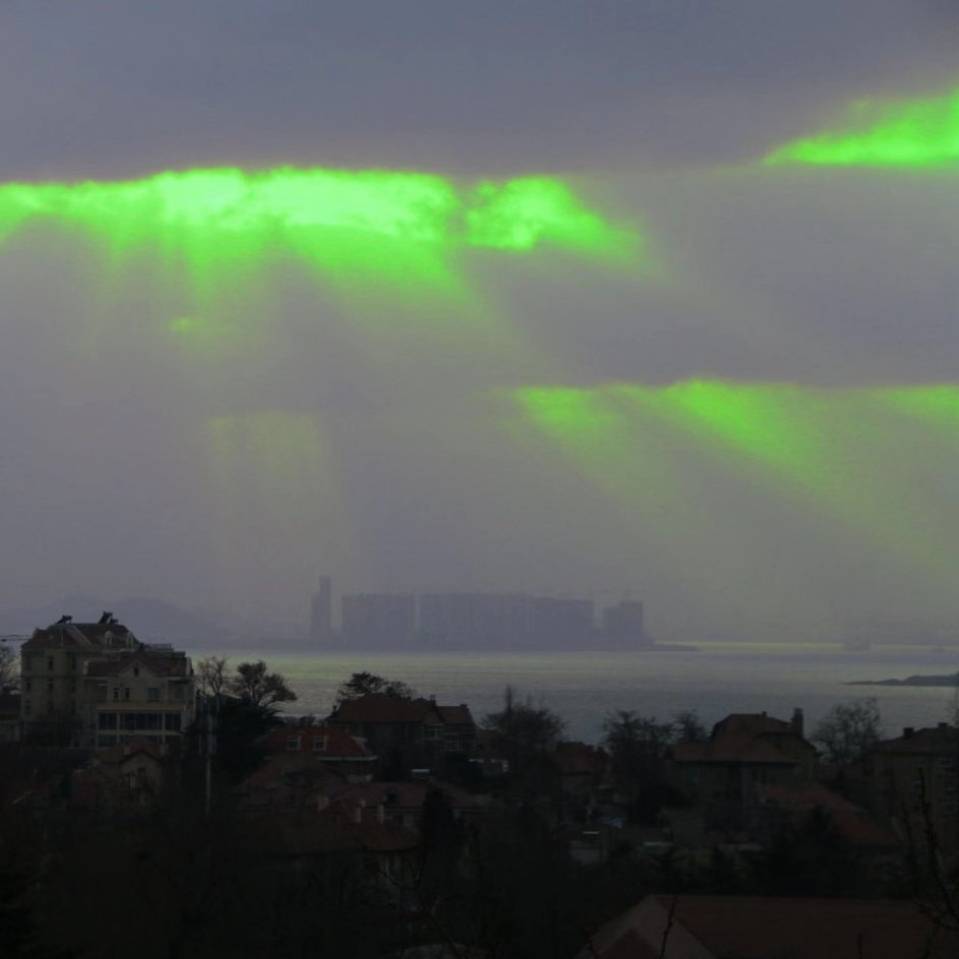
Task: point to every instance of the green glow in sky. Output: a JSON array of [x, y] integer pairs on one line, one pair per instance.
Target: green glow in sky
[[523, 213], [352, 226], [827, 449], [884, 133]]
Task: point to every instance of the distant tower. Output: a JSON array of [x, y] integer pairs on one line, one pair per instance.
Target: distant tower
[[321, 612]]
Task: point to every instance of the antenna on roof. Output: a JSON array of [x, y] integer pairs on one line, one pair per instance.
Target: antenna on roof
[[105, 618], [63, 620]]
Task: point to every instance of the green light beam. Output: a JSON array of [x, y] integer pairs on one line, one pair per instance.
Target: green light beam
[[403, 228], [918, 133], [825, 447]]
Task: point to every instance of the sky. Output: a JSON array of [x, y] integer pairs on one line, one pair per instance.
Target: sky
[[652, 297]]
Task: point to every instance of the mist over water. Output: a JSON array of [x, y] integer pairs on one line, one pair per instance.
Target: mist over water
[[584, 687]]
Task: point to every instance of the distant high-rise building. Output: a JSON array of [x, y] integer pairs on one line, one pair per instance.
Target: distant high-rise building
[[562, 623], [623, 624], [475, 620], [321, 612], [379, 620]]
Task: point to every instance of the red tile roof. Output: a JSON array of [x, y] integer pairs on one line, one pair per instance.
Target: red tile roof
[[336, 742], [747, 738], [755, 927], [854, 824]]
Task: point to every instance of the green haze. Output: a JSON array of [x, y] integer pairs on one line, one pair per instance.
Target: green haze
[[828, 451], [882, 133], [404, 228]]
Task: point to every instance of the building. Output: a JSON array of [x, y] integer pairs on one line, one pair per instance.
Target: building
[[562, 623], [758, 927], [476, 620], [379, 620], [624, 625], [417, 730], [332, 747], [95, 685], [745, 751], [321, 612], [912, 780], [119, 778], [505, 620]]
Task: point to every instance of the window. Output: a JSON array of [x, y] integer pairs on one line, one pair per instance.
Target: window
[[172, 722], [293, 744], [116, 693], [106, 721], [73, 685], [26, 707], [178, 693], [136, 670], [104, 741], [27, 685], [72, 660], [50, 686], [126, 694], [49, 664], [319, 744], [153, 694]]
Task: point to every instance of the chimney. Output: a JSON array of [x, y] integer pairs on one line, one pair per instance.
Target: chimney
[[798, 722], [907, 732]]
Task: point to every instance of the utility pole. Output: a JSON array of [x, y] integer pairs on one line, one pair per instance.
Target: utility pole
[[210, 717]]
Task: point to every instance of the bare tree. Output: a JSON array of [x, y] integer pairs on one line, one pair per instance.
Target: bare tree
[[848, 731], [211, 674]]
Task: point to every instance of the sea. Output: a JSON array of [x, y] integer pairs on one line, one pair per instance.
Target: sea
[[586, 687]]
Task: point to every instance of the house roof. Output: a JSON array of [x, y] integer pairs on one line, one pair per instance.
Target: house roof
[[931, 740], [91, 636], [756, 927], [456, 715], [383, 708], [856, 826], [121, 753], [336, 742], [291, 770], [747, 738]]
